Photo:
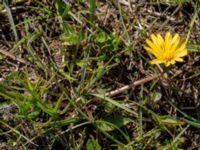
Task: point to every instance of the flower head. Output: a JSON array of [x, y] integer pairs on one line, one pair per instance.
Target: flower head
[[167, 50]]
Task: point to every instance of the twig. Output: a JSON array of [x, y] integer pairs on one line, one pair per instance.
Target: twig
[[138, 82], [10, 55], [127, 87]]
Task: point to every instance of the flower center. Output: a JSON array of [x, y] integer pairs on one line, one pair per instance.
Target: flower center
[[169, 58]]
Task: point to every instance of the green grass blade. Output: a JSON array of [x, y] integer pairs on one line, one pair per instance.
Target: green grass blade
[[114, 103], [92, 10], [10, 17]]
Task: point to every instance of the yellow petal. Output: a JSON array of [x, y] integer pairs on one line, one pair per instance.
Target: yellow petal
[[168, 36], [175, 44], [157, 61], [167, 63], [175, 38], [179, 59], [151, 51], [156, 50], [172, 61], [148, 49], [183, 41], [151, 44], [182, 53], [160, 39], [181, 48], [168, 39], [155, 40]]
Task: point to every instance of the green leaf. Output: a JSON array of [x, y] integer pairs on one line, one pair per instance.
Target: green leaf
[[19, 99], [34, 114], [101, 96], [167, 120], [92, 10], [60, 6], [101, 37], [93, 145], [71, 36], [64, 122], [44, 107], [117, 121], [156, 96], [109, 107]]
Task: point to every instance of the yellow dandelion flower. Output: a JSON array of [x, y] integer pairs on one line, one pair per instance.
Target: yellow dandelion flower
[[167, 50]]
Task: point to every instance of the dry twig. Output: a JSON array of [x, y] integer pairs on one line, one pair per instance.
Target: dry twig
[[127, 87]]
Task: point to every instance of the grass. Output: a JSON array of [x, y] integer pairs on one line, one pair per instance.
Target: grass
[[75, 75]]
